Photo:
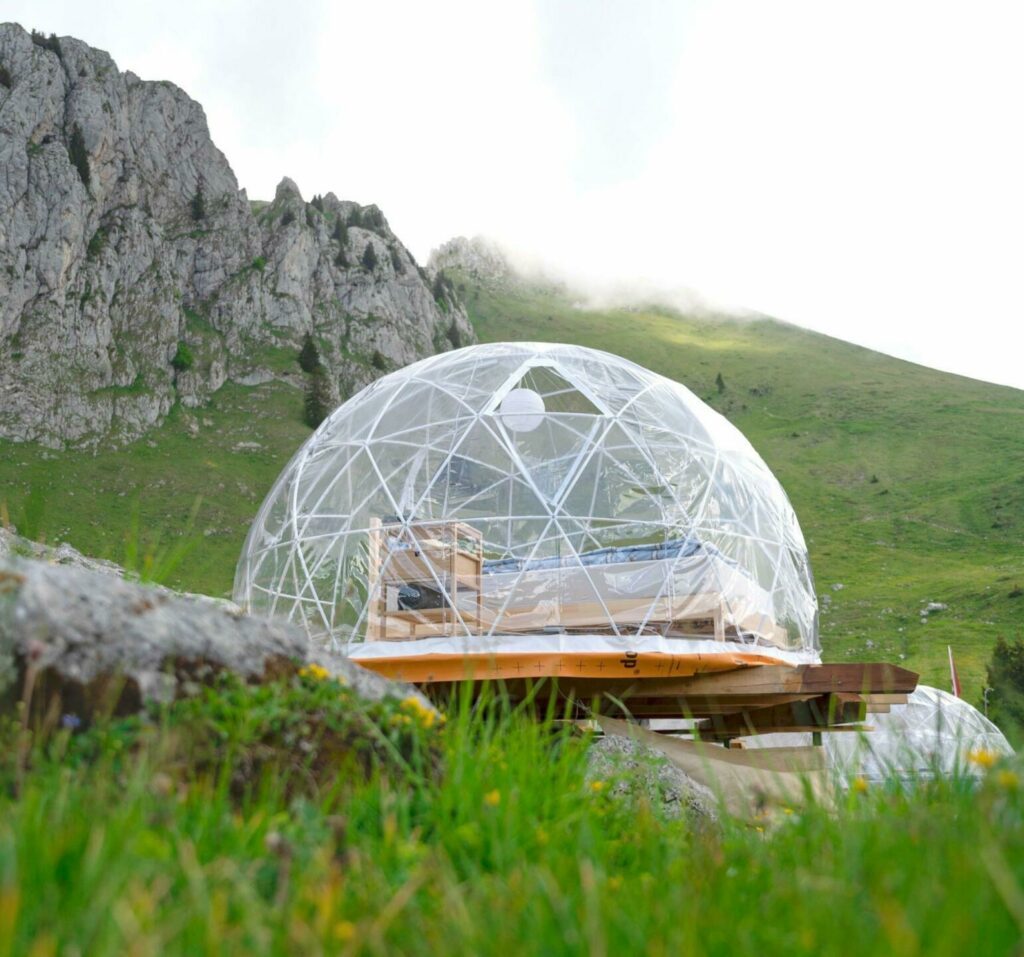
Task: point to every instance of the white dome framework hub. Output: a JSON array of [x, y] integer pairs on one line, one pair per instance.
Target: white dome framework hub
[[527, 498]]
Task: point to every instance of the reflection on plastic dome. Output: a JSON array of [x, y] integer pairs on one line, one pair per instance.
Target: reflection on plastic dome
[[526, 489]]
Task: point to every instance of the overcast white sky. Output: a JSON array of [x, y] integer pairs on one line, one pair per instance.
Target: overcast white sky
[[857, 168]]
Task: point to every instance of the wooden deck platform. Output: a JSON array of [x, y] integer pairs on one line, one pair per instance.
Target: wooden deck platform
[[730, 696]]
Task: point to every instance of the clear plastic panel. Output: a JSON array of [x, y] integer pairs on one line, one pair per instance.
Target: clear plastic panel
[[530, 489]]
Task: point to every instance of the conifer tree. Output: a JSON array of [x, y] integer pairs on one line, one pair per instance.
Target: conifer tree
[[318, 398], [369, 259], [1006, 687], [309, 356]]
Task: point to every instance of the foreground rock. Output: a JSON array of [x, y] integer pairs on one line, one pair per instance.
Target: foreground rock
[[85, 641], [13, 546], [639, 774], [134, 273]]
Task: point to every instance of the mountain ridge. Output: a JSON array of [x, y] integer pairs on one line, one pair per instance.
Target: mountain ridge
[[135, 274]]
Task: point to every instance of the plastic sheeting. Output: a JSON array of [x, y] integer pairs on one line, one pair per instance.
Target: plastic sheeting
[[528, 489], [933, 733]]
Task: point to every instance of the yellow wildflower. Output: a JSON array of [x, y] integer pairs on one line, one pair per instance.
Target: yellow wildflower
[[492, 798], [344, 930], [859, 785], [597, 786], [983, 757], [425, 714], [315, 671], [1008, 780]]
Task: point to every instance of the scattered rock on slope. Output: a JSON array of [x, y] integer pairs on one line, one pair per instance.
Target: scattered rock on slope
[[639, 774]]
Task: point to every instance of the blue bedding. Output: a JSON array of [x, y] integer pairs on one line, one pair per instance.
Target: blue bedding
[[675, 548]]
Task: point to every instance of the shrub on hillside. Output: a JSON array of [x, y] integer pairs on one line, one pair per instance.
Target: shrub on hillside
[[1006, 687], [288, 218], [198, 204], [372, 218], [454, 336], [340, 233], [183, 359], [78, 155], [369, 259], [5, 77], [97, 243], [47, 42], [442, 288], [396, 261]]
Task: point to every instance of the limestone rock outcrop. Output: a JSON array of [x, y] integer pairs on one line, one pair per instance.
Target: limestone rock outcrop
[[89, 641], [478, 258], [134, 273]]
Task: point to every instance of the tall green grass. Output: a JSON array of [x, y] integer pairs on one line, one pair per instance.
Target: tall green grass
[[143, 837]]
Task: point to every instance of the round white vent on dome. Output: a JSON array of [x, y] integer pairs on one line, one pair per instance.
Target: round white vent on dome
[[522, 410]]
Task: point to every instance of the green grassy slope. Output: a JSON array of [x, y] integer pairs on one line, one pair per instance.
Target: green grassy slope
[[215, 463], [909, 483], [943, 522], [238, 823]]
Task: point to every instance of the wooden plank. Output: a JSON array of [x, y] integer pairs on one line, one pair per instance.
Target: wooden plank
[[786, 729], [853, 677], [815, 714], [886, 698], [699, 707], [858, 678]]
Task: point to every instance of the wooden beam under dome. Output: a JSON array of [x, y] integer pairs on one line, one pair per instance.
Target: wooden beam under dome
[[754, 699]]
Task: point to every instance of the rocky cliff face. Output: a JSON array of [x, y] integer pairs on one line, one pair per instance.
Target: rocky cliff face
[[134, 273], [478, 258]]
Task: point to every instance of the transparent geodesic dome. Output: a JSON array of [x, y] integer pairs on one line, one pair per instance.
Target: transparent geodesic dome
[[934, 733], [529, 490]]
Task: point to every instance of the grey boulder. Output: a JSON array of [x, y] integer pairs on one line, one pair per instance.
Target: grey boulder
[[78, 641]]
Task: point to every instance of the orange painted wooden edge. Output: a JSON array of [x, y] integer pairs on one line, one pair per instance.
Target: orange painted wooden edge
[[591, 664]]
